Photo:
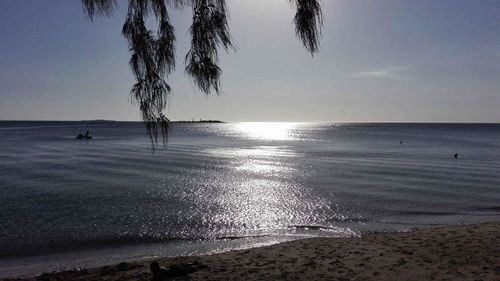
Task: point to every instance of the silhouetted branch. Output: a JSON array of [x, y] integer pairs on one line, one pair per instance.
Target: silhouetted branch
[[152, 59], [153, 55], [308, 23], [98, 7], [209, 31]]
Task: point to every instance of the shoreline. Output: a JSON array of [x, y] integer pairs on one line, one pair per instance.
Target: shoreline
[[459, 252]]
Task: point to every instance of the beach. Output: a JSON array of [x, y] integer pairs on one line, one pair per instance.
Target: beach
[[249, 140], [462, 252]]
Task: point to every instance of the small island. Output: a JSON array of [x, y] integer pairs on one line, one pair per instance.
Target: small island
[[198, 121]]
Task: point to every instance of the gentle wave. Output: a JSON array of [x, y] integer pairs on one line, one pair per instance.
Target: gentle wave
[[231, 181]]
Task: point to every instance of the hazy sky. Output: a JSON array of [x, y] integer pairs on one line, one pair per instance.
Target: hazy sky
[[431, 61]]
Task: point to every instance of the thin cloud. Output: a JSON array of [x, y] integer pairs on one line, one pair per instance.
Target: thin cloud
[[375, 74]]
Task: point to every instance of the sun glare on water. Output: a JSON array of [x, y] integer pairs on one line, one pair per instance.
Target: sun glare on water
[[268, 130]]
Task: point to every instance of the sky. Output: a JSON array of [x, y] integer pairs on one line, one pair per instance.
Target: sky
[[380, 61]]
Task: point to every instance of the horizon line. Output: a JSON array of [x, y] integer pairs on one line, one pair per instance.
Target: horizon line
[[222, 121]]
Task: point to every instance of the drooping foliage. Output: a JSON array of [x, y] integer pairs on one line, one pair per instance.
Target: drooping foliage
[[209, 31], [153, 53], [98, 7], [308, 23]]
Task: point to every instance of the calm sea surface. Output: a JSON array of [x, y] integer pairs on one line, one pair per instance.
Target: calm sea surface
[[68, 199]]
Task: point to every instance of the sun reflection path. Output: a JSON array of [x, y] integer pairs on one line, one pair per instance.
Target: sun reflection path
[[268, 130], [264, 187]]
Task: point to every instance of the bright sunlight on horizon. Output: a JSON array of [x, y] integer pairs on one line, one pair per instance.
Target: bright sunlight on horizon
[[379, 61]]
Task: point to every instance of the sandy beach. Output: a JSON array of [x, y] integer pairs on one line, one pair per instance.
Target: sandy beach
[[467, 252], [249, 140]]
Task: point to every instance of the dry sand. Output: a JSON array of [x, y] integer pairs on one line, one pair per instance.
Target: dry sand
[[470, 252]]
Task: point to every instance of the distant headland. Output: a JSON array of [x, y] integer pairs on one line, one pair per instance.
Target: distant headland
[[198, 121], [177, 121]]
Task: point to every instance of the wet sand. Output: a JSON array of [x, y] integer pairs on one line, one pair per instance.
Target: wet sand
[[469, 252]]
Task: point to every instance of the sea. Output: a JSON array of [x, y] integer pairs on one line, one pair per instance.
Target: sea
[[69, 203]]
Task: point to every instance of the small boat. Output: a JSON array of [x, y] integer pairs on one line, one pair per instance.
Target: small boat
[[81, 136]]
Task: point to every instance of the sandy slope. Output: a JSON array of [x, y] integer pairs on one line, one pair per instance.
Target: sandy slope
[[469, 252]]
